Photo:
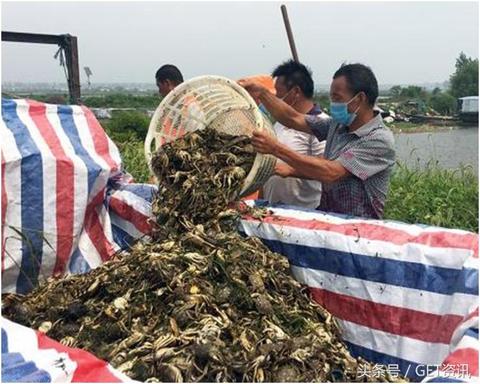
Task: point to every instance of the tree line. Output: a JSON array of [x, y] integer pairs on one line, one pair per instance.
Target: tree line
[[463, 82]]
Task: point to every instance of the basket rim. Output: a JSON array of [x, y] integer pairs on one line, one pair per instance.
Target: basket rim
[[261, 122], [154, 122]]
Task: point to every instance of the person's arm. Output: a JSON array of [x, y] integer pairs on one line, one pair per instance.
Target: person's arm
[[310, 167], [317, 125], [279, 110], [367, 158], [306, 167], [284, 113]]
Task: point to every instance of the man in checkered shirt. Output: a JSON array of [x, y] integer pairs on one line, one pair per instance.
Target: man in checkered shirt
[[359, 153]]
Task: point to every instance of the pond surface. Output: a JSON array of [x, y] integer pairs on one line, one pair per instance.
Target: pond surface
[[450, 149]]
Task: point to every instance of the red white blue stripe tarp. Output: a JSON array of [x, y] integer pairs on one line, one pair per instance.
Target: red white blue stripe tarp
[[404, 295], [30, 356], [66, 204]]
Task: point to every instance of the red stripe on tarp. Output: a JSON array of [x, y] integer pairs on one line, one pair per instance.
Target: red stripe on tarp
[[89, 368], [440, 239], [128, 213], [64, 189], [396, 320], [471, 315], [462, 356], [4, 210], [100, 139], [94, 228]]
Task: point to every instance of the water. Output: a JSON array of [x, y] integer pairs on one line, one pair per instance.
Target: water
[[450, 149]]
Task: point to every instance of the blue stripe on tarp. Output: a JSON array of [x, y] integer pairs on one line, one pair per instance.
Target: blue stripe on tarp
[[377, 269], [472, 332], [14, 358], [16, 369], [4, 341], [121, 237], [77, 263], [65, 114], [446, 380], [31, 169], [144, 191], [410, 369], [39, 376]]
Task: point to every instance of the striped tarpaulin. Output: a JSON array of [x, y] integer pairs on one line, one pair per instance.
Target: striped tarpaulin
[[463, 354], [30, 356], [402, 293], [66, 204]]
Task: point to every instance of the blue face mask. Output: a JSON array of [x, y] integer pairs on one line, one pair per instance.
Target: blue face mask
[[339, 112]]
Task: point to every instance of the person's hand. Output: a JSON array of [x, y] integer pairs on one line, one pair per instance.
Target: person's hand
[[283, 170], [255, 89], [264, 143]]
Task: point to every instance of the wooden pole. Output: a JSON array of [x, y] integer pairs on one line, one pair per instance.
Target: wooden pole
[[291, 41], [73, 69]]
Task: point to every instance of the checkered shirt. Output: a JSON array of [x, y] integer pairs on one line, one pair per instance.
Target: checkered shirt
[[368, 154]]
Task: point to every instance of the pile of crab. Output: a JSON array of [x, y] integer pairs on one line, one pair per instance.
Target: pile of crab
[[199, 302]]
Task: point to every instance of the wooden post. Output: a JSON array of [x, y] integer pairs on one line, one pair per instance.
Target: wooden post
[[291, 41], [71, 53]]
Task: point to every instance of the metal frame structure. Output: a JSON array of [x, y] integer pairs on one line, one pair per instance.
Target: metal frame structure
[[69, 45]]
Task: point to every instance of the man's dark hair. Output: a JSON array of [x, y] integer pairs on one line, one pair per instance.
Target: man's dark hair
[[169, 72], [296, 74], [360, 78]]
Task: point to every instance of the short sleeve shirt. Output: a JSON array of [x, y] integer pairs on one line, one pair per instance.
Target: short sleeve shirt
[[292, 190], [368, 153]]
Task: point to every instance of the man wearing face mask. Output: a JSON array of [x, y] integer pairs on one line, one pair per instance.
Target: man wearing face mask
[[359, 153], [294, 85]]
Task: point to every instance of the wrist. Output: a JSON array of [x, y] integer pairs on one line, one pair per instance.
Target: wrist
[[277, 149], [262, 93]]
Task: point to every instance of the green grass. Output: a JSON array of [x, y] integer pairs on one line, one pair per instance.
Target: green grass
[[440, 197], [118, 100], [125, 123], [434, 196], [128, 131], [134, 159], [151, 100], [408, 127]]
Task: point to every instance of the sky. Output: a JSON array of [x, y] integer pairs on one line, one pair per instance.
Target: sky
[[403, 42]]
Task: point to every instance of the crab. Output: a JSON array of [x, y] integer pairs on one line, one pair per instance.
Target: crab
[[199, 302]]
